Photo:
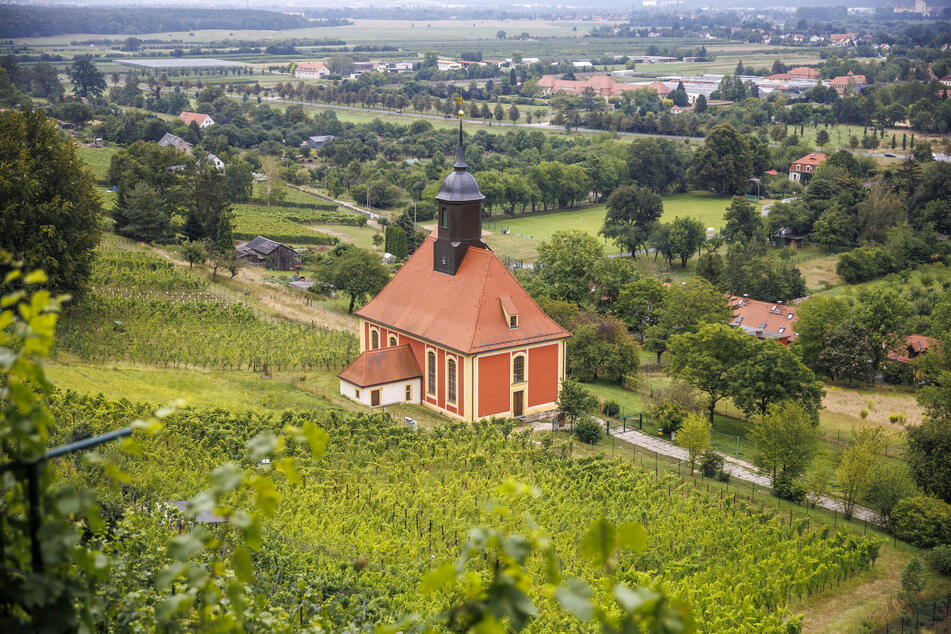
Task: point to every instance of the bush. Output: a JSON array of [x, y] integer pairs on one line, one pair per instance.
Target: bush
[[787, 488], [940, 559], [711, 463], [923, 521], [611, 408], [587, 429], [864, 264], [723, 476]]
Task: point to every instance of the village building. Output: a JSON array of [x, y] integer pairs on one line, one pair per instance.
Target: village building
[[786, 237], [602, 85], [177, 142], [316, 142], [202, 120], [273, 255], [850, 83], [801, 170], [311, 70], [453, 329], [913, 346], [764, 320]]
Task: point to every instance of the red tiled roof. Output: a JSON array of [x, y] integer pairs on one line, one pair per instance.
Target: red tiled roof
[[914, 346], [462, 311], [188, 117], [659, 88], [803, 72], [771, 172], [765, 319], [813, 158], [843, 80], [381, 366]]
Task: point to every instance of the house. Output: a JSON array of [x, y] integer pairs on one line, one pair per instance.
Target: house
[[217, 162], [842, 39], [202, 120], [316, 142], [786, 237], [851, 83], [602, 85], [764, 320], [801, 170], [453, 329], [273, 255], [311, 70], [177, 142], [914, 346]]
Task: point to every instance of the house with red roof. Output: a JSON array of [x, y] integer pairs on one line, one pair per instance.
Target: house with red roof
[[311, 70], [453, 329], [801, 170], [764, 320], [913, 346], [602, 85], [202, 120], [851, 83]]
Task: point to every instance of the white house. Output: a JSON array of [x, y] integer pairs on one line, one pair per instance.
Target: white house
[[361, 381]]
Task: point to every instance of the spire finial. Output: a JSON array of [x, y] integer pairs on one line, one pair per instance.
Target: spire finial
[[462, 113]]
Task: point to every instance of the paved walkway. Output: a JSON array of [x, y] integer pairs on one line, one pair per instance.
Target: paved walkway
[[739, 469]]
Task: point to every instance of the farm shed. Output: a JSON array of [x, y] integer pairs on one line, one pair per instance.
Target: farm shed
[[273, 255]]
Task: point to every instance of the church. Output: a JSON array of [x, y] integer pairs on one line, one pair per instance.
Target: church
[[453, 330]]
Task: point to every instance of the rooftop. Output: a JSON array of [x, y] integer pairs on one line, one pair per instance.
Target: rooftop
[[382, 366]]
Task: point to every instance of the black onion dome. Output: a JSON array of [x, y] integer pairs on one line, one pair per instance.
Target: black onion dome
[[460, 186]]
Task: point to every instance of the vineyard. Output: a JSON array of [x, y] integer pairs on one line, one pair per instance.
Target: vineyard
[[144, 309], [289, 224], [359, 528]]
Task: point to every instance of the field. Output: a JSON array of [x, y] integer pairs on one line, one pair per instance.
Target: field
[[288, 224], [97, 159], [401, 503], [525, 232]]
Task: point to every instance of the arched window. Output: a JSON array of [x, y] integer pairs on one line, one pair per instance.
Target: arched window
[[374, 339], [518, 369], [431, 373], [393, 341], [451, 397]]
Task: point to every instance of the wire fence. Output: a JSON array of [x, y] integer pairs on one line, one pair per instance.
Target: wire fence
[[926, 615]]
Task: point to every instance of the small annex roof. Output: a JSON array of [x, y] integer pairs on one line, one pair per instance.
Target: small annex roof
[[462, 311], [382, 366]]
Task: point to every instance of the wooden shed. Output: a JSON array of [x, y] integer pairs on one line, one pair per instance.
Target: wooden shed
[[274, 255]]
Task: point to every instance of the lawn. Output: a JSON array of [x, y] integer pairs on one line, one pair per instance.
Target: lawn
[[528, 230], [97, 159]]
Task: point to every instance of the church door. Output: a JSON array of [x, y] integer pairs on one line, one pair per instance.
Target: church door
[[517, 404]]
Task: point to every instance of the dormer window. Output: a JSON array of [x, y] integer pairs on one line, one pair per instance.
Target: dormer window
[[513, 321], [509, 312]]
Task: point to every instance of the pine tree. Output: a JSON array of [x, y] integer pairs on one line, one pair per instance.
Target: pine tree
[[144, 217]]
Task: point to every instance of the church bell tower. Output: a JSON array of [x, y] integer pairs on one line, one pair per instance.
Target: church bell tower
[[458, 214]]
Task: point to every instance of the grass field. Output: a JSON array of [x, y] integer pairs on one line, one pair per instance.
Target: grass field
[[525, 232], [97, 159]]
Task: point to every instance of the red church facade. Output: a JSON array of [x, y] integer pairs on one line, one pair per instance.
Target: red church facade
[[479, 344]]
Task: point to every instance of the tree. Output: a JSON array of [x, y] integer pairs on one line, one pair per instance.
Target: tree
[[274, 187], [856, 463], [500, 35], [694, 436], [912, 582], [395, 242], [710, 267], [240, 178], [929, 457], [822, 137], [686, 308], [586, 352], [657, 164], [700, 105], [816, 320], [144, 216], [724, 162], [849, 354], [709, 360], [87, 79], [888, 484], [575, 400], [686, 235], [499, 114], [513, 113], [223, 253], [631, 213], [358, 273], [45, 81], [772, 373], [567, 262], [206, 200], [194, 251], [50, 214], [640, 302], [785, 440], [743, 220], [340, 64]]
